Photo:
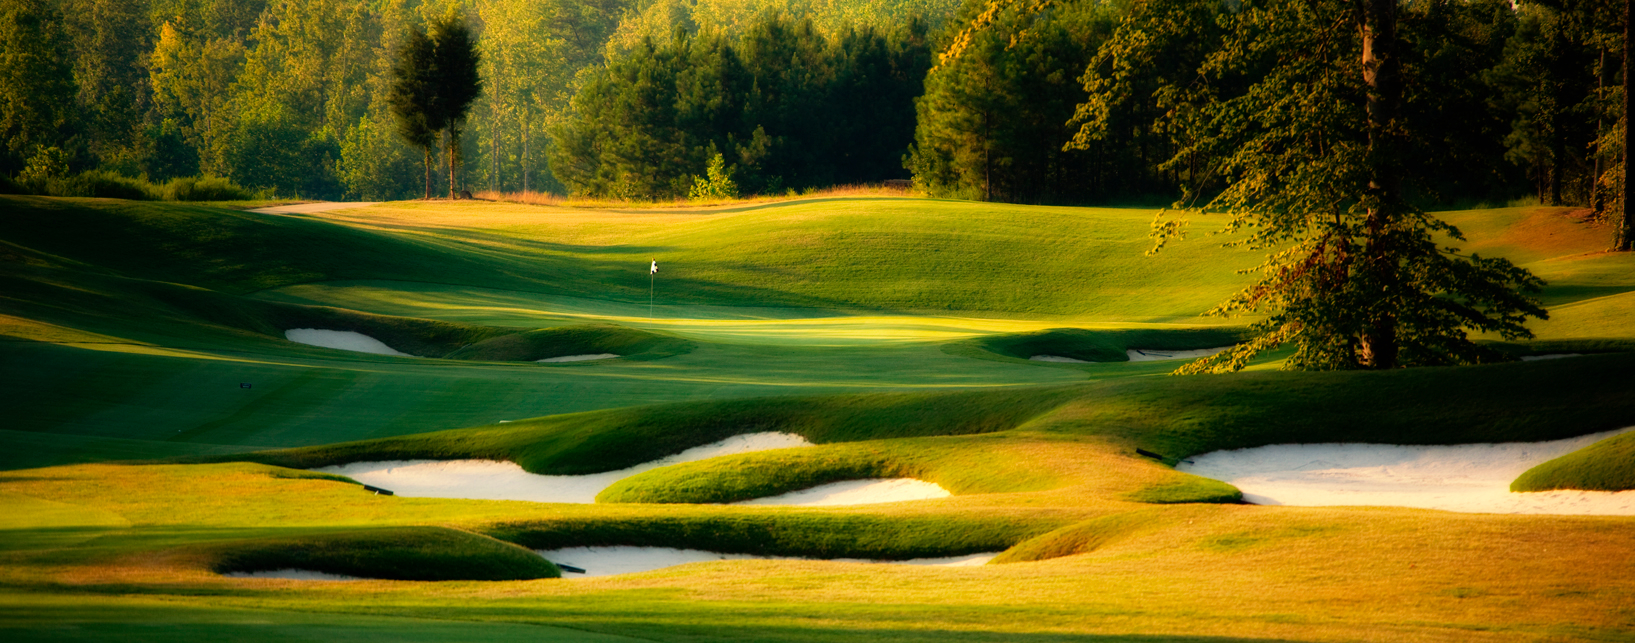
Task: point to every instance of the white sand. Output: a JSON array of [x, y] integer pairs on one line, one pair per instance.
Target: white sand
[[341, 339], [608, 561], [1057, 358], [1156, 355], [494, 480], [576, 358], [856, 492], [291, 574], [1472, 478], [1534, 358]]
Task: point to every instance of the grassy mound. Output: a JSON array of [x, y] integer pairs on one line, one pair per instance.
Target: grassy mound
[[814, 534], [1104, 345], [587, 339], [1608, 465], [399, 553], [599, 441]]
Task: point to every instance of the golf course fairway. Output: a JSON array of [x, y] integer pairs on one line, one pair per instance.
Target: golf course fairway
[[163, 431]]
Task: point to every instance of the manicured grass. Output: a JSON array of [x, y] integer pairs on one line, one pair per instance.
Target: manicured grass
[[401, 553], [1608, 465], [805, 316], [588, 339]]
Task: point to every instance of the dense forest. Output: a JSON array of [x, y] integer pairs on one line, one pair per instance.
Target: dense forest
[[1058, 102]]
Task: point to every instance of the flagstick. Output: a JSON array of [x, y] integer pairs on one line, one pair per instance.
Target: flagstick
[[650, 278]]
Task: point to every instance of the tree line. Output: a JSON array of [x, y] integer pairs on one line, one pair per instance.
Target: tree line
[[785, 105]]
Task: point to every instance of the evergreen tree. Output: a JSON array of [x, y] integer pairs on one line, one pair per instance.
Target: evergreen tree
[[457, 84], [413, 96]]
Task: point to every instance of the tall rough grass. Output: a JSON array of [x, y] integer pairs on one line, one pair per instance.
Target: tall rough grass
[[110, 185]]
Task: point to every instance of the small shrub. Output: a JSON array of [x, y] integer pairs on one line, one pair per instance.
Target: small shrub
[[203, 188], [717, 185], [102, 184]]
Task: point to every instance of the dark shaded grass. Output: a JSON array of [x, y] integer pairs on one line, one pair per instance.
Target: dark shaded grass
[[812, 534], [397, 553], [587, 339], [1105, 345]]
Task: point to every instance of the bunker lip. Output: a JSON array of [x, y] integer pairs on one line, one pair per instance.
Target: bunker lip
[[856, 492], [294, 574], [611, 561], [496, 480], [1158, 355], [1468, 478], [345, 340], [1059, 359], [576, 358]]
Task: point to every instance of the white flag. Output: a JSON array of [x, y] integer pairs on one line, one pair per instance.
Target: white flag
[[655, 269]]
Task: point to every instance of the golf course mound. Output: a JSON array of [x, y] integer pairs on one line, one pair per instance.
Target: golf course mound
[[612, 561], [1607, 465], [396, 553], [1107, 345], [493, 480], [563, 343]]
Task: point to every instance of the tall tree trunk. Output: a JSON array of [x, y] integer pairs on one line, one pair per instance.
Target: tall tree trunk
[[426, 164], [448, 154], [523, 126], [1626, 230], [1382, 71]]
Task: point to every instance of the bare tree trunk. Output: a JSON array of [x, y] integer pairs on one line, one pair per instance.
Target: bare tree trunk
[[522, 124], [1626, 228], [426, 163], [1381, 67], [453, 142]]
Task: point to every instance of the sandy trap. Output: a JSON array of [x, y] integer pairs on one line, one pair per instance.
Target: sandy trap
[[342, 340], [291, 574], [1472, 478], [1138, 355], [576, 358], [856, 492], [609, 561], [495, 480]]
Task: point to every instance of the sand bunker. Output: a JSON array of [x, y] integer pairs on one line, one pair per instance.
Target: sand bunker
[[494, 480], [291, 574], [1155, 355], [1472, 478], [856, 492], [1057, 358], [341, 339], [576, 358], [609, 561]]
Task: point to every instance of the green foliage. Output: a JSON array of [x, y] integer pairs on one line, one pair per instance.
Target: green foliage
[[202, 188], [644, 124], [1354, 277], [36, 83], [716, 184], [400, 553], [992, 120], [47, 163], [1608, 465]]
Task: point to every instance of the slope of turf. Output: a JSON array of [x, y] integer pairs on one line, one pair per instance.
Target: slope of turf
[[1608, 465], [586, 339], [1097, 345], [401, 553]]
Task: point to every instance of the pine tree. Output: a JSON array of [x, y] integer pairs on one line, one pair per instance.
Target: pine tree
[[457, 83], [413, 96]]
